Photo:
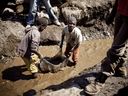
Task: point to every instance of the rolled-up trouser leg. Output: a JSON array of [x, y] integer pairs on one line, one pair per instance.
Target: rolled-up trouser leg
[[75, 54], [34, 61], [114, 59], [116, 55], [33, 68], [31, 63], [27, 62]]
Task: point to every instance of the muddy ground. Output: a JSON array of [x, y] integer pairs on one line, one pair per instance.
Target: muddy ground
[[15, 79]]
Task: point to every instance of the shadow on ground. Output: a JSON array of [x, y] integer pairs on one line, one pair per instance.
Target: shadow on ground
[[81, 81], [15, 73], [31, 92], [115, 86], [122, 92]]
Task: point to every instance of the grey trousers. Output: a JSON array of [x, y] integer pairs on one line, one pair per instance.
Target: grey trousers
[[117, 54]]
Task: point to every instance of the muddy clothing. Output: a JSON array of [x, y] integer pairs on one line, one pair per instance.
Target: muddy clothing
[[28, 44], [117, 54], [75, 52], [73, 40]]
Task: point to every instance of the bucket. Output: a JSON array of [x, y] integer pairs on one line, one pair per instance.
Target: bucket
[[53, 64]]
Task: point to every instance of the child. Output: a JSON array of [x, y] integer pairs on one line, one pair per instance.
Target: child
[[73, 38]]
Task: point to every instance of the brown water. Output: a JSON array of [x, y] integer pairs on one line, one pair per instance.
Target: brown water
[[91, 53]]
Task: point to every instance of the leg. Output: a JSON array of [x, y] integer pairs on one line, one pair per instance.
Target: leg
[[68, 50], [75, 54], [32, 12], [27, 62], [51, 14], [115, 57], [118, 23], [31, 63], [31, 67], [49, 9]]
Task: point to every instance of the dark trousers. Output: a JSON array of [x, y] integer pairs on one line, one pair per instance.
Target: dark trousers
[[117, 54]]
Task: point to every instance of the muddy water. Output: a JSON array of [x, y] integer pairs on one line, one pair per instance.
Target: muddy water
[[91, 53]]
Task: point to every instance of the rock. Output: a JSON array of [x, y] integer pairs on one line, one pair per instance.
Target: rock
[[8, 13], [73, 90], [11, 34], [51, 36], [72, 11], [85, 8], [19, 8]]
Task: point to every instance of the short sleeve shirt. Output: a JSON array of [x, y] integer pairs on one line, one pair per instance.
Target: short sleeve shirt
[[73, 37]]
